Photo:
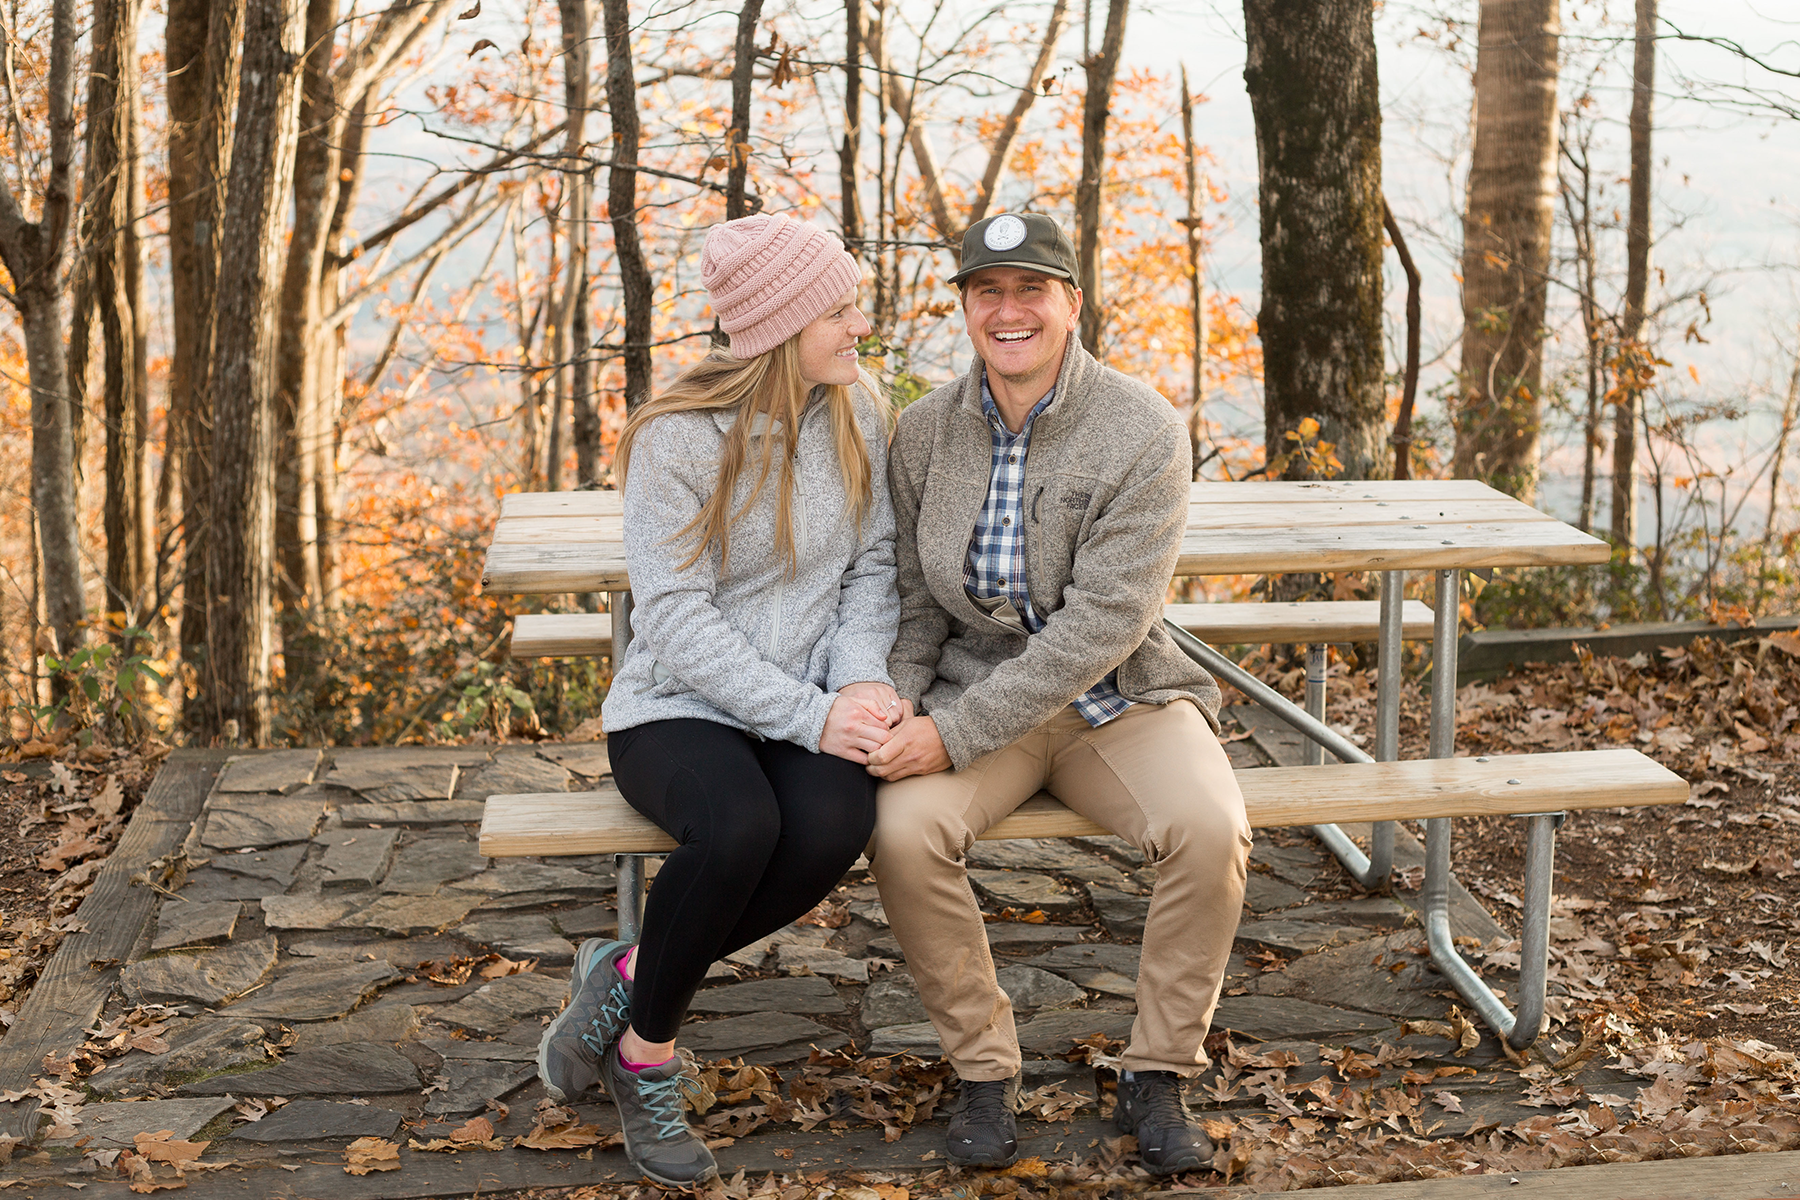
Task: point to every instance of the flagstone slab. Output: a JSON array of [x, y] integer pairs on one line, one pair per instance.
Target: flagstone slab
[[591, 920], [260, 820], [1017, 937], [1122, 913], [1265, 893], [1030, 987], [821, 960], [1025, 890], [352, 1069], [355, 858], [404, 953], [525, 936], [512, 774], [309, 910], [758, 1033], [276, 863], [497, 1006], [413, 812], [387, 1022], [313, 993], [473, 1082], [1114, 847], [1301, 866], [870, 911], [1030, 854], [181, 922], [320, 1120], [1358, 976], [1380, 912], [113, 1126], [200, 1046], [587, 759], [918, 1037], [1052, 1032], [497, 1051], [1089, 956], [411, 914], [893, 1000], [390, 774], [207, 886], [1282, 1018], [802, 994], [206, 978], [271, 771], [1302, 937], [425, 864], [515, 877]]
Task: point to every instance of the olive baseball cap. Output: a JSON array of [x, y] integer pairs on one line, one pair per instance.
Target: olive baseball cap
[[1028, 240]]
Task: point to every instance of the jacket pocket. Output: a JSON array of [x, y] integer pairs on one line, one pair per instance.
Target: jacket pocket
[[1057, 515]]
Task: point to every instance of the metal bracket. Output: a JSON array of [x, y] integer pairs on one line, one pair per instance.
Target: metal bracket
[[629, 869]]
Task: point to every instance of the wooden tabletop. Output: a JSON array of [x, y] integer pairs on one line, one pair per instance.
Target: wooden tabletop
[[549, 542]]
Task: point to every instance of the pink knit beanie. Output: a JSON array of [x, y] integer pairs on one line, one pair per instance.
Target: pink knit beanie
[[770, 276]]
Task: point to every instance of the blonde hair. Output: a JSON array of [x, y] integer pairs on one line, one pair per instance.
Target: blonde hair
[[769, 385]]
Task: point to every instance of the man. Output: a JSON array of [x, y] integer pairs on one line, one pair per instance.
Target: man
[[1040, 501]]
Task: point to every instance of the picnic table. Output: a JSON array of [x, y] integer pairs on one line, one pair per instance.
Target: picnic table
[[573, 542]]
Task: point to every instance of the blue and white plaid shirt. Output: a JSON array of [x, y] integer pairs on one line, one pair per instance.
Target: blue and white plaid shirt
[[994, 569]]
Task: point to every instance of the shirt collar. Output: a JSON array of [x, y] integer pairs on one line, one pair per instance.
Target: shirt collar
[[992, 411]]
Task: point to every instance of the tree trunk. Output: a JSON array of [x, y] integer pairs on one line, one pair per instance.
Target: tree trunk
[[851, 151], [584, 422], [1637, 279], [329, 435], [1096, 106], [297, 332], [111, 280], [1311, 74], [240, 565], [1506, 244], [1196, 299], [1778, 462], [621, 201], [737, 138], [204, 39], [1409, 380], [33, 254], [1578, 207]]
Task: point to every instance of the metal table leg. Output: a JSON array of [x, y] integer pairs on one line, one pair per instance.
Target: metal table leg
[[630, 874], [620, 605]]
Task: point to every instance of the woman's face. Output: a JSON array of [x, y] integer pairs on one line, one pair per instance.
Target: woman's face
[[828, 345]]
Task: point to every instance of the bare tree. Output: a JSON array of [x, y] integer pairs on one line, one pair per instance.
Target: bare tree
[[202, 52], [240, 566], [621, 197], [1409, 379], [851, 153], [1102, 69], [1577, 188], [33, 253], [1637, 279], [576, 374], [1311, 74], [110, 280], [737, 138], [1193, 224], [1506, 244]]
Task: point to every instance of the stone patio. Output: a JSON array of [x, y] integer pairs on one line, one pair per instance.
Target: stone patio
[[315, 968]]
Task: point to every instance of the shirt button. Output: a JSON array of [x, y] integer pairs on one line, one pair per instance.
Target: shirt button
[[1003, 583], [1006, 520], [1012, 458]]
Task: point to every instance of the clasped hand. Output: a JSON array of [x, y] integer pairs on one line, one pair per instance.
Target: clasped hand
[[861, 720]]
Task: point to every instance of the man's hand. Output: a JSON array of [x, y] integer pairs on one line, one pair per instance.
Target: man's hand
[[877, 696], [913, 749], [854, 727]]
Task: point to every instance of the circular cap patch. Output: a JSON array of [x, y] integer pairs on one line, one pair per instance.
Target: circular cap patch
[[1006, 232]]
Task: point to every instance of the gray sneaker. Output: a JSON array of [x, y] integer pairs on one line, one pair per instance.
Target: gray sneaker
[[658, 1140], [599, 1008], [983, 1131]]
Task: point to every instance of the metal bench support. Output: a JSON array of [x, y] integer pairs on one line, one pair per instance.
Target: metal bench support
[[628, 868]]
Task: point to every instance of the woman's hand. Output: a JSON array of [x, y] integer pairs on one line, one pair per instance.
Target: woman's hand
[[854, 727], [880, 696]]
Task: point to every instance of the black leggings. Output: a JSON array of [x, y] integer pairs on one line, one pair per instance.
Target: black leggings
[[766, 830]]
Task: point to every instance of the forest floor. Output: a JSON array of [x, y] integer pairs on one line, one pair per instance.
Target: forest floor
[[1671, 972]]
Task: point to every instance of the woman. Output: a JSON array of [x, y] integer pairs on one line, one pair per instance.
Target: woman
[[760, 543]]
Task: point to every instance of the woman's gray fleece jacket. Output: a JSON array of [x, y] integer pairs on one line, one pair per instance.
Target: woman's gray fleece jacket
[[746, 645]]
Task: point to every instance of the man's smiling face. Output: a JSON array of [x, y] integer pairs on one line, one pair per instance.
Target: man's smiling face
[[1019, 320]]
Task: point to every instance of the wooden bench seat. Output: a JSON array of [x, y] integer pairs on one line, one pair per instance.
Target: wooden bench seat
[[600, 822], [577, 635]]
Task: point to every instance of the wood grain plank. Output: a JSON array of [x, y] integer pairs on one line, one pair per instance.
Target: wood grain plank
[[555, 504], [562, 635], [80, 975], [600, 822], [1300, 621]]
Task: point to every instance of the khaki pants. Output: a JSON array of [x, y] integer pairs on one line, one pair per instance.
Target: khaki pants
[[1156, 776]]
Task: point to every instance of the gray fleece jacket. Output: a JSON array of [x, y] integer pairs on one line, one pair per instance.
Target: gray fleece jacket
[[1106, 503], [745, 645]]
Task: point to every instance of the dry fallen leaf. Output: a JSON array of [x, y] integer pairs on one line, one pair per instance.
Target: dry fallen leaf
[[1447, 1101], [161, 1146], [367, 1154], [143, 1179], [571, 1135]]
